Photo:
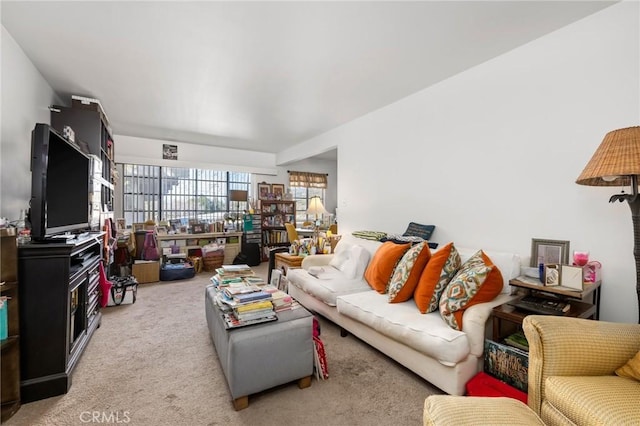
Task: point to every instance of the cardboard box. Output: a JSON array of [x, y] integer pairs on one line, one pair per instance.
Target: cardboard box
[[146, 271], [507, 363]]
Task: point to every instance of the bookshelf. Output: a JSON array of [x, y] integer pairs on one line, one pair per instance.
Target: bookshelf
[[188, 242], [275, 213]]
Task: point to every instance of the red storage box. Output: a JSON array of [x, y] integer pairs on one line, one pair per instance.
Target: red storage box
[[483, 384]]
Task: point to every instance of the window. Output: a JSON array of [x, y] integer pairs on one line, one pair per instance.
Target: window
[[175, 193], [305, 185], [301, 196]]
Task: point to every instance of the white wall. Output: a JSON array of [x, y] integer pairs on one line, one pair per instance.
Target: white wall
[[490, 156], [25, 98]]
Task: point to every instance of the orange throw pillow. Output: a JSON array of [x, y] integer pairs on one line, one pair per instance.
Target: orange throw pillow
[[436, 275], [381, 267]]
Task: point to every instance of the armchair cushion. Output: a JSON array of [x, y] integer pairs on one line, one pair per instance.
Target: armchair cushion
[[631, 369], [603, 400]]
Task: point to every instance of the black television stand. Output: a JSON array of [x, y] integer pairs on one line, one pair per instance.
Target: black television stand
[[59, 311]]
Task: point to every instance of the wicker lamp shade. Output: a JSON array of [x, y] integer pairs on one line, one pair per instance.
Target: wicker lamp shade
[[617, 158]]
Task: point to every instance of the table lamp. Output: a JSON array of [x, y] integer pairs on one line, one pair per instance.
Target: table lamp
[[316, 208], [616, 162], [238, 195]]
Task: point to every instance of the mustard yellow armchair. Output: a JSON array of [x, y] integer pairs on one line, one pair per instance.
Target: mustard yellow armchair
[[572, 365]]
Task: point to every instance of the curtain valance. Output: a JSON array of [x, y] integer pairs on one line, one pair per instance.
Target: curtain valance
[[307, 179]]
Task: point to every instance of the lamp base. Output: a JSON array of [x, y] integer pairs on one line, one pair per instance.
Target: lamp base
[[634, 203]]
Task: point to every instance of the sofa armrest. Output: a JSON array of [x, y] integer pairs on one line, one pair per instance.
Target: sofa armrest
[[316, 260], [564, 346], [474, 322]]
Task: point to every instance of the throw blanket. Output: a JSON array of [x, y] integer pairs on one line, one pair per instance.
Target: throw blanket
[[369, 235]]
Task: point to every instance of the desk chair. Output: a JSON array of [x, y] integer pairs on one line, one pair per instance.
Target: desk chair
[[291, 231], [272, 259]]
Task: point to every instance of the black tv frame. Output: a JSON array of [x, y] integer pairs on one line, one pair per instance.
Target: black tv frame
[[60, 185]]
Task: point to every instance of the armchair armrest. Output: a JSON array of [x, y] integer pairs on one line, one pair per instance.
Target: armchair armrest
[[316, 260], [562, 346]]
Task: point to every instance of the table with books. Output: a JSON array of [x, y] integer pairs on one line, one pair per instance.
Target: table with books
[[262, 337]]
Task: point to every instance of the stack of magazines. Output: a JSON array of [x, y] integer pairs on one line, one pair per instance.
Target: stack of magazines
[[242, 302]]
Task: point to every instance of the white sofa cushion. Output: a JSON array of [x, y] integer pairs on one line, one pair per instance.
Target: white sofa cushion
[[426, 333], [326, 284], [351, 260]]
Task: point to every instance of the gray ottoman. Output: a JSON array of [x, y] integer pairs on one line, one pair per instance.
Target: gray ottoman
[[261, 356]]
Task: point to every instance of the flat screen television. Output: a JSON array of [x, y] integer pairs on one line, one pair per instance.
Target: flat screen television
[[60, 179]]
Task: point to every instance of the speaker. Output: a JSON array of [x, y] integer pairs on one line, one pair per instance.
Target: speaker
[[251, 252]]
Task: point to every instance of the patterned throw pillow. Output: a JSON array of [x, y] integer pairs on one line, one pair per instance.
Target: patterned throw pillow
[[419, 230], [407, 273], [631, 369], [436, 275], [477, 281], [382, 265]]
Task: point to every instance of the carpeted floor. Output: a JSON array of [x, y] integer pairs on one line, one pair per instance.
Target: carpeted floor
[[153, 363]]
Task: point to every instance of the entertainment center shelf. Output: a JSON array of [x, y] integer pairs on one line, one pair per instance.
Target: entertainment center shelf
[[59, 311], [186, 242]]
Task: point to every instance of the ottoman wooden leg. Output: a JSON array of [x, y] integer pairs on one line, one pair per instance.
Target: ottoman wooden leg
[[305, 382], [241, 403]]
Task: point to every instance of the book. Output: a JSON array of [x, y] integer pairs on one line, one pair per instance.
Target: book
[[250, 297], [517, 340], [230, 321], [248, 316], [255, 306], [241, 288]]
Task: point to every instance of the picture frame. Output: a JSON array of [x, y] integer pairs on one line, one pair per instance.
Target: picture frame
[[276, 276], [572, 277], [552, 275], [264, 190], [549, 251], [278, 191]]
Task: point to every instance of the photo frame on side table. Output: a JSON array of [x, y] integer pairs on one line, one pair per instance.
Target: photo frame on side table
[[549, 251], [572, 277], [552, 274]]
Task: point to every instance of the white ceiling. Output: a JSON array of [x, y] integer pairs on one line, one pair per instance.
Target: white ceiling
[[264, 75]]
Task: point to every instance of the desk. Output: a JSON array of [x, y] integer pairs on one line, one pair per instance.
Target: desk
[[284, 261], [186, 242], [305, 232]]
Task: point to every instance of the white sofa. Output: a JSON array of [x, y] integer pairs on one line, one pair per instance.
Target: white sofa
[[424, 343]]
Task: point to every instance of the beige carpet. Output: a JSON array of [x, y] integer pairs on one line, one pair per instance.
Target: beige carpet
[[153, 363]]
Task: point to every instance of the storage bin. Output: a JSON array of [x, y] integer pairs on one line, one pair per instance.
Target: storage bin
[[146, 271], [212, 261]]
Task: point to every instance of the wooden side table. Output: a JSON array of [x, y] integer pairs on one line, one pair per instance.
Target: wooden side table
[[584, 304], [284, 261]]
